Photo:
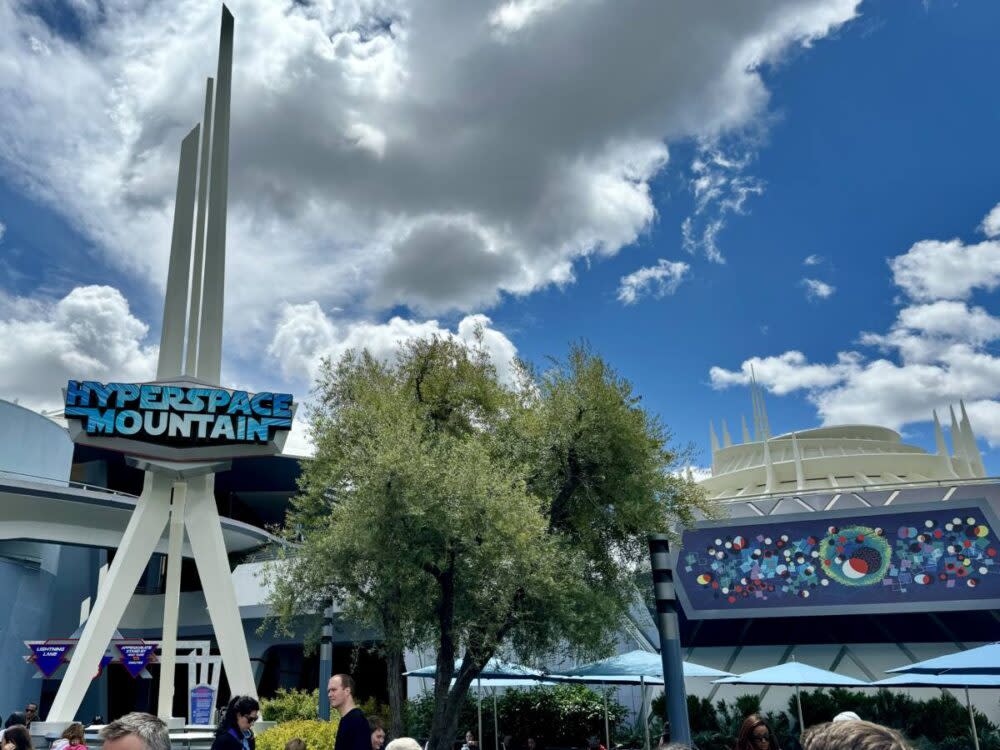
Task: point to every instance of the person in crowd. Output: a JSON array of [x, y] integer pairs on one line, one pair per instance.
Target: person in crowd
[[235, 731], [847, 716], [30, 713], [377, 732], [594, 743], [853, 735], [297, 743], [16, 719], [470, 742], [403, 743], [73, 736], [97, 721], [16, 737], [531, 743], [755, 735], [353, 732], [136, 731], [508, 742]]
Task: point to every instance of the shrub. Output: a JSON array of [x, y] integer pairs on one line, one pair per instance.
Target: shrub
[[288, 705], [318, 735]]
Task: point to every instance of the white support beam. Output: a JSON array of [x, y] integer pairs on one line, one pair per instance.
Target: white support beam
[[171, 602]]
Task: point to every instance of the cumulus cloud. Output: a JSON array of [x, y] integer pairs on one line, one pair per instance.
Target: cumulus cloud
[[812, 260], [938, 350], [658, 280], [816, 289], [90, 333], [305, 335], [933, 270], [991, 222], [384, 153]]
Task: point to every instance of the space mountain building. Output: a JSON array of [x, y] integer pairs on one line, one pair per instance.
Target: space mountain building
[[842, 547]]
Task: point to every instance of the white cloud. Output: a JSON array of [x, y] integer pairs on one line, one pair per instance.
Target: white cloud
[[3, 230], [816, 289], [658, 280], [785, 373], [90, 333], [374, 136], [991, 222], [305, 335], [933, 270], [812, 260]]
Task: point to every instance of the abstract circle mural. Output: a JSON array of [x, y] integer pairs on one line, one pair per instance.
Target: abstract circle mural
[[901, 557], [855, 555]]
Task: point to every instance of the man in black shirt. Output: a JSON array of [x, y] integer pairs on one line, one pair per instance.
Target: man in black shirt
[[353, 732]]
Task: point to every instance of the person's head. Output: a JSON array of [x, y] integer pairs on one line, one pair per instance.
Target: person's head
[[508, 741], [847, 716], [241, 713], [31, 711], [852, 735], [674, 746], [377, 729], [340, 691], [136, 731], [295, 744], [403, 743], [74, 733], [17, 737], [531, 743], [593, 742], [755, 735], [470, 738], [16, 719]]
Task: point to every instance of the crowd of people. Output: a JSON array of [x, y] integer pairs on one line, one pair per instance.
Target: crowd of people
[[141, 731]]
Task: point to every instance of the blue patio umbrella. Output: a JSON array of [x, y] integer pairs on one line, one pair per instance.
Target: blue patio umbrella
[[795, 674], [983, 660], [496, 674], [632, 668]]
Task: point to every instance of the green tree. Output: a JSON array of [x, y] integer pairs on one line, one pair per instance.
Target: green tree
[[447, 508]]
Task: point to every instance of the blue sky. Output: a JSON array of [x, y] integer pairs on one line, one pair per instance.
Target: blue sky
[[476, 162]]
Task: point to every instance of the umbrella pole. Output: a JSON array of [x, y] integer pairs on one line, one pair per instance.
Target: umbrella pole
[[798, 704], [645, 711], [479, 703], [972, 719], [496, 725], [607, 732]]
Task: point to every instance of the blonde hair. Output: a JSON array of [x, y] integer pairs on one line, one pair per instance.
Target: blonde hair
[[853, 735], [403, 743]]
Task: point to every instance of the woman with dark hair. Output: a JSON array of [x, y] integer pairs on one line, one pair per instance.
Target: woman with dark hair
[[16, 737], [755, 735], [235, 731]]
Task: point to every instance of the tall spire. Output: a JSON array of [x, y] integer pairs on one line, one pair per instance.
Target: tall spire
[[757, 431], [712, 436], [961, 461], [942, 447], [971, 447], [746, 432], [765, 423], [769, 485], [726, 440]]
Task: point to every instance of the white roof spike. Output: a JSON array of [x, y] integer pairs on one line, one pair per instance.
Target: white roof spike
[[746, 432], [971, 446], [726, 439], [764, 422], [942, 447], [756, 405], [957, 444], [800, 478], [711, 433], [768, 468]]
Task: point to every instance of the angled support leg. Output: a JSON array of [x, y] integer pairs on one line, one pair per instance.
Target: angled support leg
[[205, 534], [140, 539], [171, 602]]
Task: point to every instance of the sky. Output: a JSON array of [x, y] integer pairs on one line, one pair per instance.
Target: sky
[[804, 187]]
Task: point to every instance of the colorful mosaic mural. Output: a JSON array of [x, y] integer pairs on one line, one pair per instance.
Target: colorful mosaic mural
[[929, 556]]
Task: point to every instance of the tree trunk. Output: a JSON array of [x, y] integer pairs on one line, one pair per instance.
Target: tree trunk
[[394, 667]]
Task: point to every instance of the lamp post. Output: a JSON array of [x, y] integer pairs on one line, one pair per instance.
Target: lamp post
[[325, 662], [675, 697]]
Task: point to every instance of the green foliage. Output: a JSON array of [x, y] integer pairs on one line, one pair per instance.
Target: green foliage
[[290, 705], [560, 715], [318, 735], [447, 508]]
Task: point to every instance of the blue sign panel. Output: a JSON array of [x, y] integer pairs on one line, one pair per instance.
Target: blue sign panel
[[924, 558], [135, 657], [202, 705], [176, 415], [49, 657]]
